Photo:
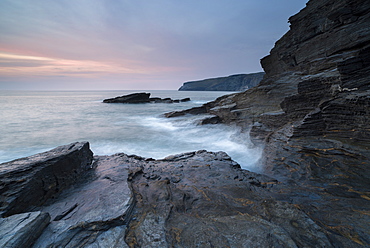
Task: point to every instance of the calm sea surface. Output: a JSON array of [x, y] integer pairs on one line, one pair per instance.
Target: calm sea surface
[[36, 121]]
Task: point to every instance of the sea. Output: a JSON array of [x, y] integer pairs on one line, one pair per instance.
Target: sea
[[36, 121]]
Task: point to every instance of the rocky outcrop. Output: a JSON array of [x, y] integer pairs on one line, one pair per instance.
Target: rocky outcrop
[[29, 182], [238, 82], [204, 199], [95, 213], [196, 199], [310, 112], [22, 230], [143, 98]]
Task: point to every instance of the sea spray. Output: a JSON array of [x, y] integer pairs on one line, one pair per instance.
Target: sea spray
[[165, 137], [33, 122]]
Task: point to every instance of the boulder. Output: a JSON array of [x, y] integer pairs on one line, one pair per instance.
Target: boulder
[[95, 213], [31, 181], [21, 230]]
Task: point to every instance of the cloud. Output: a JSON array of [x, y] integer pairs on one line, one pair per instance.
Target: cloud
[[148, 40]]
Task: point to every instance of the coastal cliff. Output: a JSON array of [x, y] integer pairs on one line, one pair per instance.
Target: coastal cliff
[[310, 113], [238, 82]]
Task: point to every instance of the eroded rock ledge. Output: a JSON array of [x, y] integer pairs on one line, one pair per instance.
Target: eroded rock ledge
[[196, 199]]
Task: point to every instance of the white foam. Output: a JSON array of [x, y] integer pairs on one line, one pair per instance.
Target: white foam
[[161, 137]]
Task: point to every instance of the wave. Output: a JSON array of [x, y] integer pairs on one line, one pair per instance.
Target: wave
[[161, 137]]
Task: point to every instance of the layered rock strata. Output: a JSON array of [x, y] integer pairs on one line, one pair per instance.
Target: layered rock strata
[[311, 111], [22, 230], [238, 82], [29, 182], [196, 199]]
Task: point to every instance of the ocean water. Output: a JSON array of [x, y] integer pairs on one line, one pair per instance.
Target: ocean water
[[33, 122]]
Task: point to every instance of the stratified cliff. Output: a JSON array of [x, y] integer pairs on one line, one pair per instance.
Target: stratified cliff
[[238, 82], [311, 113]]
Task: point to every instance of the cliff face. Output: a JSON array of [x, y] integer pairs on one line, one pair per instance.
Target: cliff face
[[311, 111], [317, 82], [238, 82]]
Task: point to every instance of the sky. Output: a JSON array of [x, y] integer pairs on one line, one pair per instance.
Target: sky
[[134, 44]]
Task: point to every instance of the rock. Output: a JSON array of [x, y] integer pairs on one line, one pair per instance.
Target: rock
[[211, 120], [204, 199], [205, 108], [143, 98], [199, 199], [131, 98], [95, 213], [238, 82], [21, 230], [31, 181], [185, 99], [310, 113]]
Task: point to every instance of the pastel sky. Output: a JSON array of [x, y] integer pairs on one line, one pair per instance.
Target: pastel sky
[[134, 44]]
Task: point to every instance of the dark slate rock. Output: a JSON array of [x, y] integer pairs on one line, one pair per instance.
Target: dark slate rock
[[143, 98], [21, 230], [31, 181], [95, 213], [131, 98], [310, 114], [204, 199]]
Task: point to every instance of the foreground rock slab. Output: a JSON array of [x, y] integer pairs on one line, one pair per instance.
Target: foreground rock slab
[[29, 182], [196, 199], [21, 230], [204, 199], [92, 214]]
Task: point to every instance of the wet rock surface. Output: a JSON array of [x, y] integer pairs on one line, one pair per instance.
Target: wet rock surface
[[92, 214], [199, 199], [204, 199], [143, 98], [29, 182], [21, 230], [310, 113]]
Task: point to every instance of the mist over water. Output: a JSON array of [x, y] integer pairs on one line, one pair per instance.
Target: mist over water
[[33, 122]]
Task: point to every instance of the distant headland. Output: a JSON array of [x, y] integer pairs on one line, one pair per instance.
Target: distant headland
[[238, 82]]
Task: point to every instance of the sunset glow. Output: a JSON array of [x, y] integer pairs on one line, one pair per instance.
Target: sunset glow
[[124, 44]]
